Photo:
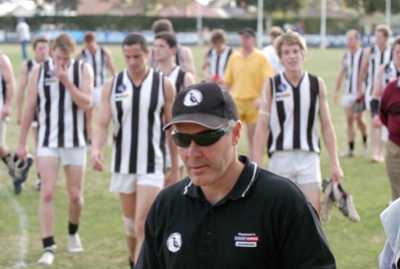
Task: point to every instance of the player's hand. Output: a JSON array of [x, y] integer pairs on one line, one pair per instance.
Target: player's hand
[[336, 173], [22, 151], [376, 122], [61, 73], [97, 160], [5, 112]]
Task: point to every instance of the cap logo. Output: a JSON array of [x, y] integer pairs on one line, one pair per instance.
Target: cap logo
[[193, 98], [174, 242]]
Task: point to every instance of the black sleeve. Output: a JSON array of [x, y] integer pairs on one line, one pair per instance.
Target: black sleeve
[[148, 258], [302, 243]]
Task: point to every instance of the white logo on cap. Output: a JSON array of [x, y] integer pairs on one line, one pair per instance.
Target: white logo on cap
[[174, 242], [193, 98]]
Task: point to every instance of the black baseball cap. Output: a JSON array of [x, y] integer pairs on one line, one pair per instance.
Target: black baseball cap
[[248, 31], [205, 104]]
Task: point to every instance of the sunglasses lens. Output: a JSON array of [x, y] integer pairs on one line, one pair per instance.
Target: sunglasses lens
[[181, 140], [209, 138], [206, 138]]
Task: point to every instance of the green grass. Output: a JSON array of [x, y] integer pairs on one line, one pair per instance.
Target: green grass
[[355, 245]]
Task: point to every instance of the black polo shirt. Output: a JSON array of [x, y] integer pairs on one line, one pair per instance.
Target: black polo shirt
[[264, 222]]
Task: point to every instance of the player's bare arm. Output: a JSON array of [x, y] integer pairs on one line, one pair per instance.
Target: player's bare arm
[[328, 133], [169, 99], [30, 107], [101, 127], [262, 127], [9, 78], [23, 81]]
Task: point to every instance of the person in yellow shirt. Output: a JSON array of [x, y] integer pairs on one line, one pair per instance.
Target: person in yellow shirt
[[245, 74]]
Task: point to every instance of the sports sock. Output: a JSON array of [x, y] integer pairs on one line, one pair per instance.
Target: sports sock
[[72, 228], [351, 146], [131, 263], [48, 242]]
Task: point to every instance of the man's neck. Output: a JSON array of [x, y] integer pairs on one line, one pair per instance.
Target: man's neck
[[138, 76], [294, 77], [39, 60], [217, 191], [353, 50], [166, 66], [220, 50], [92, 50], [247, 52], [382, 47]]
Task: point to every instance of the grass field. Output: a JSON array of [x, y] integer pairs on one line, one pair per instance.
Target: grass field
[[355, 245]]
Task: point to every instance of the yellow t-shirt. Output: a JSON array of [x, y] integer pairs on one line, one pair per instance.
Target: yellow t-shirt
[[245, 75]]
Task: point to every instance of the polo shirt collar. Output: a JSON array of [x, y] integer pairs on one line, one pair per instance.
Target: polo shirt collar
[[241, 188]]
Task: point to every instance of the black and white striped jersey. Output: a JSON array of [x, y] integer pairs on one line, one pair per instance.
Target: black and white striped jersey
[[352, 66], [390, 73], [177, 77], [376, 58], [217, 62], [98, 63], [294, 120], [61, 121], [137, 113]]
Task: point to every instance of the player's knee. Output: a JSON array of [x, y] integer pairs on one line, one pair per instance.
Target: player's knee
[[47, 196], [129, 226], [75, 199]]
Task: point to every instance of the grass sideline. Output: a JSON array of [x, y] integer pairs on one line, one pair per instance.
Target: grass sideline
[[355, 245]]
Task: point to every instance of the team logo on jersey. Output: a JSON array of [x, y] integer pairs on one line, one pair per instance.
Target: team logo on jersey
[[193, 98], [246, 240], [282, 87], [174, 242], [121, 88]]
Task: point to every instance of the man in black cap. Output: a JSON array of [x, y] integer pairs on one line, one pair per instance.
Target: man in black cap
[[244, 76], [227, 213]]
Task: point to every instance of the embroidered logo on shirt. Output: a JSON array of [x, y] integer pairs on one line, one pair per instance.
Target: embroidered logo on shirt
[[246, 240], [174, 242]]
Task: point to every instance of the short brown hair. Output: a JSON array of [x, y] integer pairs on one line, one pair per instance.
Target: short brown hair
[[384, 29], [65, 43], [168, 37], [162, 25], [275, 32], [290, 38], [135, 39], [89, 37], [218, 36], [40, 39]]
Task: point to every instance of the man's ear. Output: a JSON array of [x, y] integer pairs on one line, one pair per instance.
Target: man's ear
[[236, 132]]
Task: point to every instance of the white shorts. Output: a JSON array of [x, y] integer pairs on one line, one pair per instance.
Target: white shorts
[[126, 183], [3, 129], [96, 96], [348, 100], [301, 167], [67, 156]]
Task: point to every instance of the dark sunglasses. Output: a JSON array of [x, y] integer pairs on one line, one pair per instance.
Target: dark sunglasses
[[203, 139]]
